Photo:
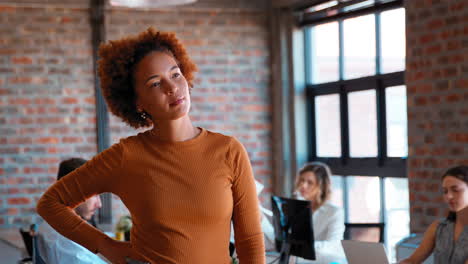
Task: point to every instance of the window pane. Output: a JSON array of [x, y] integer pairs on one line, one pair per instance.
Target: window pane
[[364, 199], [337, 190], [397, 212], [359, 46], [324, 53], [362, 124], [327, 110], [393, 40], [397, 125]]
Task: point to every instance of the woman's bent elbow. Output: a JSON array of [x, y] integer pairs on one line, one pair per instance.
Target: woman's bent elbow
[[41, 206]]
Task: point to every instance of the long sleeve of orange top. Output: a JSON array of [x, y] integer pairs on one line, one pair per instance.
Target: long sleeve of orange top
[[181, 196], [247, 233], [55, 206]]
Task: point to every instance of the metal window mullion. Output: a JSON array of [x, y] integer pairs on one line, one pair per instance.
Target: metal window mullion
[[310, 94], [344, 122], [378, 44], [341, 49], [381, 123], [312, 128], [308, 54], [380, 97], [346, 198], [383, 207]]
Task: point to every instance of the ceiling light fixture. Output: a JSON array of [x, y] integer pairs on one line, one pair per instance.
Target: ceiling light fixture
[[150, 3]]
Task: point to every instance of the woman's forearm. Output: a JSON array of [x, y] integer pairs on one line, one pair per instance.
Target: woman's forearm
[[63, 219]]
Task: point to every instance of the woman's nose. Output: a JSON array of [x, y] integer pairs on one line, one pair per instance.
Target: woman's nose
[[170, 87], [449, 195]]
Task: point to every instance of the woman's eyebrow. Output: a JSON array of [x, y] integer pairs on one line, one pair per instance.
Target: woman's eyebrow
[[151, 77], [156, 75]]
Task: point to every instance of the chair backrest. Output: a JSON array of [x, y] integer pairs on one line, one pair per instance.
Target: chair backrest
[[36, 256], [28, 241], [367, 232]]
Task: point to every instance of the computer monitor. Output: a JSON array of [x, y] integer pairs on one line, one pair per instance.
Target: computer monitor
[[292, 222]]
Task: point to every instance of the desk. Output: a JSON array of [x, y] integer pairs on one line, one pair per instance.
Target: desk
[[271, 256]]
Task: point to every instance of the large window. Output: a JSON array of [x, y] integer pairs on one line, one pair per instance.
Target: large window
[[357, 114]]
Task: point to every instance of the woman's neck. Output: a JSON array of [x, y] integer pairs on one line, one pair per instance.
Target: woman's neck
[[175, 130]]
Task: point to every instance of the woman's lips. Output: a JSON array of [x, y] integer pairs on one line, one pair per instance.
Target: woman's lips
[[177, 102]]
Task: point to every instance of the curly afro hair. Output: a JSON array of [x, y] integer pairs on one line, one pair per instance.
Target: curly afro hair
[[118, 59]]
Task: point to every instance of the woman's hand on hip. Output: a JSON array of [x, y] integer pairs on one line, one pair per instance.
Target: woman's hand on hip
[[117, 252]]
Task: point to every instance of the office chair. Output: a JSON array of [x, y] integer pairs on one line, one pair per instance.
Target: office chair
[[30, 242]]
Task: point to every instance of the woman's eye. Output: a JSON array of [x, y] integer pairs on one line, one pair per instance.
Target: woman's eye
[[155, 84], [175, 75]]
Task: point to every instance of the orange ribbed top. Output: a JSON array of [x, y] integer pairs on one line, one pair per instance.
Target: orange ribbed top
[[181, 195]]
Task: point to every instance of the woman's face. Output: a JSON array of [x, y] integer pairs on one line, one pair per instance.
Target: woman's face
[[87, 209], [455, 193], [162, 90], [308, 185]]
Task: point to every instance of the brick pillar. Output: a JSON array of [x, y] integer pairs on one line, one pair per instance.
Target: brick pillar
[[437, 83]]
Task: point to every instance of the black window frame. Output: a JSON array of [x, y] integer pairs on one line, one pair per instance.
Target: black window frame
[[381, 166]]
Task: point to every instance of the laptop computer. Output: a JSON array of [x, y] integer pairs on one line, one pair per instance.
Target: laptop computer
[[358, 252]]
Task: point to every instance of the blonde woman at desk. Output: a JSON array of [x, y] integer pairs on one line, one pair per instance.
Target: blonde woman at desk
[[448, 239], [313, 183], [182, 184]]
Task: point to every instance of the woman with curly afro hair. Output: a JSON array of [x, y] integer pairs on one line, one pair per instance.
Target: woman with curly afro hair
[[182, 184]]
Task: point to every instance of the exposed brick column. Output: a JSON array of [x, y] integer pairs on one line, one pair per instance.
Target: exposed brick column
[[437, 88], [47, 110]]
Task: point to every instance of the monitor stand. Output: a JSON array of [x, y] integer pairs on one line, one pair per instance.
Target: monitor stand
[[286, 248], [284, 256]]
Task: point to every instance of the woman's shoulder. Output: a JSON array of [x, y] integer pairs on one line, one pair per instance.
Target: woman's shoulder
[[133, 139], [440, 224], [222, 138], [218, 135], [332, 209]]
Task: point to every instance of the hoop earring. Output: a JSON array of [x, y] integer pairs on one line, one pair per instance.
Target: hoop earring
[[143, 115]]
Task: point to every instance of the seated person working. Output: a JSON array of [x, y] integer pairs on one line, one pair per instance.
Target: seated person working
[[55, 248], [448, 239], [313, 183]]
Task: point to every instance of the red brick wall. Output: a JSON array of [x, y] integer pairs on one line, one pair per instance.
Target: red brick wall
[[47, 110], [46, 102], [437, 83]]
